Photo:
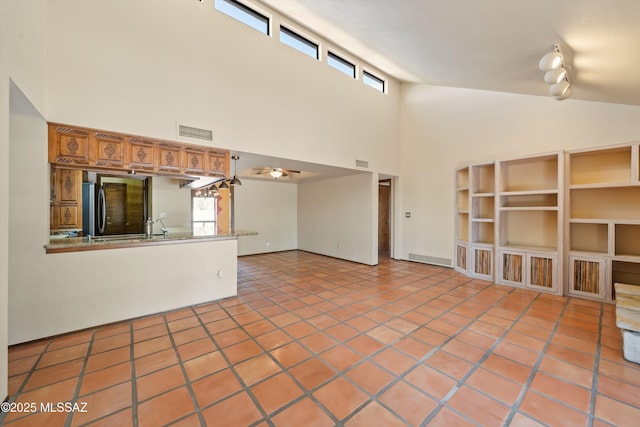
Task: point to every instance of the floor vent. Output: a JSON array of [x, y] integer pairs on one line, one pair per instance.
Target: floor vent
[[445, 262], [195, 133], [362, 164]]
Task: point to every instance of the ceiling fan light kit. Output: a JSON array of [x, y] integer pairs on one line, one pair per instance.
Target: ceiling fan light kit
[[556, 74]]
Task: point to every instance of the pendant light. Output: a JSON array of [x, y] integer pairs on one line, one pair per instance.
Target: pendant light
[[235, 181]]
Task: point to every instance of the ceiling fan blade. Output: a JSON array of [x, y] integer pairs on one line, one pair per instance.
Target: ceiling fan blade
[[290, 171]]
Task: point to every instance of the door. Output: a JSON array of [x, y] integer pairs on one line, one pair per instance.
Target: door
[[384, 217], [115, 195]]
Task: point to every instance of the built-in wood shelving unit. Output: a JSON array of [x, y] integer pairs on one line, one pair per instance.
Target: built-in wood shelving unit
[[562, 222], [603, 219]]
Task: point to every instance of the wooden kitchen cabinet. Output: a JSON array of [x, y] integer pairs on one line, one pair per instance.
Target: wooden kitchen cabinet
[[68, 145], [66, 198], [74, 146]]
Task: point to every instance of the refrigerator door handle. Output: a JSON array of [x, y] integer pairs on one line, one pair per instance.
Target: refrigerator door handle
[[102, 211]]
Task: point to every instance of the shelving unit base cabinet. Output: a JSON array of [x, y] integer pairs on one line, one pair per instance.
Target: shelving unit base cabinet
[[511, 268], [587, 277], [461, 258], [537, 271], [542, 272], [481, 262]]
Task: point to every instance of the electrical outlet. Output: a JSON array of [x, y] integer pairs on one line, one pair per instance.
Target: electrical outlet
[[163, 215], [220, 274]]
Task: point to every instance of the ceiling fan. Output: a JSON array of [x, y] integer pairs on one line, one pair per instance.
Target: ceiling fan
[[275, 172]]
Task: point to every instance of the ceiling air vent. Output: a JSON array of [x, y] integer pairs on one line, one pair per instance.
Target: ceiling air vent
[[362, 164], [195, 133]]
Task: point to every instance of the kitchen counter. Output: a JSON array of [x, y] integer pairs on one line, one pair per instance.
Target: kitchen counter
[[76, 244]]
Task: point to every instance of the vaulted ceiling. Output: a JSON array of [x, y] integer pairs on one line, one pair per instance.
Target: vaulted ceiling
[[487, 44]]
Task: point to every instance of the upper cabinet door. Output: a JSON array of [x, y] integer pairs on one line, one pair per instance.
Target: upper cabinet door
[[194, 161], [140, 154], [217, 163], [169, 157], [68, 146], [109, 151]]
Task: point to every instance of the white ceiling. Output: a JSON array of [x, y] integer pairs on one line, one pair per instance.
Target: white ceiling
[[487, 44]]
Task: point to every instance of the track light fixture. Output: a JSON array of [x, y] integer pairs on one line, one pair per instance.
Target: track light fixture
[[556, 74]]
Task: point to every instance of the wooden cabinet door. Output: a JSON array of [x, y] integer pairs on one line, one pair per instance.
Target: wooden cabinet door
[[194, 161], [140, 154], [169, 159], [109, 151], [217, 163], [69, 145], [67, 217], [69, 186]]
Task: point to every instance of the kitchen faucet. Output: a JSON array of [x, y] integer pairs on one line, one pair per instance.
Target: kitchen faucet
[[163, 228]]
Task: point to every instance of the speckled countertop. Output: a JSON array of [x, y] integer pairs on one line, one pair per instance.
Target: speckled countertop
[[74, 244]]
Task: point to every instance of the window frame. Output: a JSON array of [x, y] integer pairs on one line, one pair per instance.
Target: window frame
[[251, 11], [300, 37], [333, 56], [195, 195], [374, 78]]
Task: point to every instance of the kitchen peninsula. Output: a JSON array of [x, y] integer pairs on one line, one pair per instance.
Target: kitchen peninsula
[[75, 285]]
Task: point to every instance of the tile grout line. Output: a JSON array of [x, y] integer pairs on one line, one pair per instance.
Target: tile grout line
[[484, 357], [534, 370], [187, 381], [76, 392], [13, 398], [134, 377], [306, 393], [596, 367], [231, 367]]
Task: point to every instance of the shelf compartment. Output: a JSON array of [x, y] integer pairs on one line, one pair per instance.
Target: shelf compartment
[[625, 272], [463, 201], [482, 207], [601, 166], [482, 232], [529, 200], [483, 179], [463, 226], [536, 228], [627, 240], [587, 276], [538, 173], [462, 179], [616, 203], [589, 237]]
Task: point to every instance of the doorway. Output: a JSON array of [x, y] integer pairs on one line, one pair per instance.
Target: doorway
[[384, 218]]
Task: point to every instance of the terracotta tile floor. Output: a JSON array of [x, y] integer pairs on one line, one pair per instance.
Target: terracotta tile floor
[[315, 341]]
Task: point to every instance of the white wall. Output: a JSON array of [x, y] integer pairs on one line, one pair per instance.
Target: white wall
[[22, 56], [194, 64], [168, 197], [443, 128], [270, 209], [71, 291], [338, 217]]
